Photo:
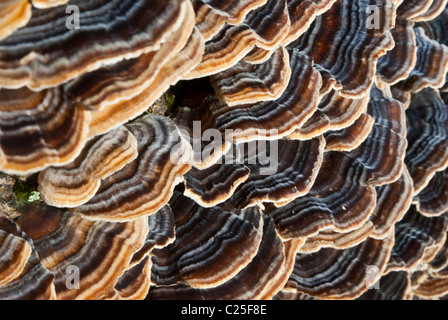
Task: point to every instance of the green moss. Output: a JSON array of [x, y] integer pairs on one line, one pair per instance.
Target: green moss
[[170, 99], [26, 193]]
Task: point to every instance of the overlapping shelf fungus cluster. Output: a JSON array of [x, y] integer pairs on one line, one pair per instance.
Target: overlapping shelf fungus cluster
[[210, 149]]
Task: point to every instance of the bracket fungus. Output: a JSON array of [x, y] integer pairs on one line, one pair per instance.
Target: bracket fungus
[[238, 149], [39, 129], [144, 185], [14, 14]]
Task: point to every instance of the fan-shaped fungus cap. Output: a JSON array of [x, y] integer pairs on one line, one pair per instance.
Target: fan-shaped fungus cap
[[205, 240], [427, 125], [212, 15], [311, 274], [35, 282], [215, 184], [432, 288], [76, 183], [433, 11], [161, 233], [334, 112], [13, 15], [15, 252], [351, 137], [411, 9], [264, 120], [302, 13], [111, 84], [39, 129], [392, 286], [398, 63], [146, 184], [133, 284], [343, 196], [393, 201], [116, 114], [435, 29], [247, 83], [431, 66], [256, 281], [333, 41], [29, 280], [415, 235], [264, 27], [290, 173], [99, 252], [119, 29], [433, 199]]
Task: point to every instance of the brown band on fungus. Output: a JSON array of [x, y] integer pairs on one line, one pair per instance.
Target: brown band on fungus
[[337, 240], [98, 251], [63, 53], [340, 199], [44, 4], [264, 120], [439, 265], [250, 283], [432, 288], [14, 252], [334, 112], [433, 199], [264, 27], [14, 14], [35, 282], [399, 62], [205, 239], [212, 15], [134, 284], [410, 9], [289, 174], [208, 21], [31, 280], [393, 201], [436, 28], [76, 183], [302, 13], [333, 41], [258, 55], [291, 248], [245, 83], [235, 10], [427, 135], [392, 286], [214, 184], [146, 184], [431, 66], [112, 84], [386, 141], [343, 195], [161, 233], [351, 137], [120, 113], [39, 129], [433, 11], [312, 273], [415, 235]]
